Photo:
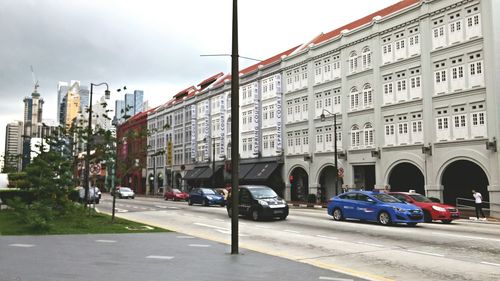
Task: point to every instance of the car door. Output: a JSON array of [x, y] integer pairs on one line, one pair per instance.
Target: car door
[[348, 205], [365, 207], [245, 202], [196, 196]]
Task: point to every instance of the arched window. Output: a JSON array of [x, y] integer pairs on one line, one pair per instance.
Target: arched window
[[367, 95], [353, 62], [355, 136], [354, 98], [366, 58], [368, 134]]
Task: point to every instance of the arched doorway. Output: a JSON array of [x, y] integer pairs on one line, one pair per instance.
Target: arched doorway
[[299, 184], [406, 176], [327, 184], [460, 178], [151, 180]]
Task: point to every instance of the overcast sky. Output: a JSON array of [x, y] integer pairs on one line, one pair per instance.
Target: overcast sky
[[150, 45]]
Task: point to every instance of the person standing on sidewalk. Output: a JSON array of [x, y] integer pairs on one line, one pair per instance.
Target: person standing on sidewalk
[[478, 201]]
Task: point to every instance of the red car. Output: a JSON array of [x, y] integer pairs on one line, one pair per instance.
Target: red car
[[432, 210], [176, 195]]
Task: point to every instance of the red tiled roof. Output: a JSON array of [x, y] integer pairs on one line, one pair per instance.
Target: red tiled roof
[[210, 79], [268, 61], [222, 79], [367, 19], [185, 91]]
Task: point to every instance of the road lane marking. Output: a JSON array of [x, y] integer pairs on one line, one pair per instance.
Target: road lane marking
[[370, 244], [161, 206], [333, 278], [105, 241], [221, 220], [121, 210], [229, 232], [211, 226], [185, 237], [160, 257], [426, 253], [291, 231], [466, 236], [135, 207], [327, 237], [261, 226], [490, 263], [22, 245], [199, 245]]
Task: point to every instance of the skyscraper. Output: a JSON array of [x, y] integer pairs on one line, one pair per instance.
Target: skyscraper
[[72, 98], [13, 145], [33, 110], [130, 106], [138, 101]]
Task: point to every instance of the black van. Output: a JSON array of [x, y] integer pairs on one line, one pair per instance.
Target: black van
[[259, 202]]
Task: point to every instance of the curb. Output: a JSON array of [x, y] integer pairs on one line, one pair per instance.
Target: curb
[[304, 205]]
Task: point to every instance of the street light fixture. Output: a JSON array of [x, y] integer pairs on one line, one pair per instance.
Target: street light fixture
[[89, 132], [323, 118]]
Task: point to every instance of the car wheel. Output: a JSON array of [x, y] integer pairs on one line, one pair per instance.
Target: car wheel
[[97, 201], [446, 221], [337, 214], [384, 218], [133, 197], [120, 196], [255, 215], [206, 203], [412, 224], [190, 202], [427, 216]]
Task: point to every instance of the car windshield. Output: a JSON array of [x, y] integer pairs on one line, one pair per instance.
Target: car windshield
[[126, 189], [175, 190], [386, 198], [420, 198], [207, 191], [260, 193]]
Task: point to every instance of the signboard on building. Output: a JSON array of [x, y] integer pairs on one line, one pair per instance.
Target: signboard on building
[[169, 152], [207, 127], [222, 121], [279, 132], [193, 131], [256, 117]]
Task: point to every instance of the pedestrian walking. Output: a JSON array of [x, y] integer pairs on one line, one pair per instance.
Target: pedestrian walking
[[478, 201]]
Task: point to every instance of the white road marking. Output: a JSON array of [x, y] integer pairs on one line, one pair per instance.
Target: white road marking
[[199, 245], [121, 210], [261, 226], [221, 220], [22, 245], [160, 257], [185, 237], [229, 232], [106, 241], [174, 208], [333, 278], [211, 226], [291, 231], [161, 206], [490, 263], [466, 236], [327, 237], [135, 207], [370, 244], [426, 253]]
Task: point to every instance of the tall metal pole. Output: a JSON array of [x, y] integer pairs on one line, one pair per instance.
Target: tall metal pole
[[335, 153], [235, 144], [87, 160]]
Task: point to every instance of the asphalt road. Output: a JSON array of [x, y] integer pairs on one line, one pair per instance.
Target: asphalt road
[[462, 250], [147, 257]]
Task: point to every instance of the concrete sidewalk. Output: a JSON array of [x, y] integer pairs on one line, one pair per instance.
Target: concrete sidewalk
[[151, 257]]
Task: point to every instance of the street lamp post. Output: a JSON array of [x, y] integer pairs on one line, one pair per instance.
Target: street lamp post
[[89, 131], [323, 118]]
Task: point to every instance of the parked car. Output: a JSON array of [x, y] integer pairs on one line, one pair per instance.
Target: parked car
[[205, 196], [175, 195], [259, 202], [125, 192], [373, 206], [92, 196], [97, 191], [432, 210]]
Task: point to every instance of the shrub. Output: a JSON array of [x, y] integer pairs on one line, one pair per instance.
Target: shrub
[[24, 195]]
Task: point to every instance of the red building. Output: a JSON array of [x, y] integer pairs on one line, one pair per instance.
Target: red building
[[132, 137]]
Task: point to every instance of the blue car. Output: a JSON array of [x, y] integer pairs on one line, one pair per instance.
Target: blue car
[[205, 196], [373, 206]]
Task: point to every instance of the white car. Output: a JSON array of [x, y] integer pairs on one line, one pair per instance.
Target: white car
[[125, 192]]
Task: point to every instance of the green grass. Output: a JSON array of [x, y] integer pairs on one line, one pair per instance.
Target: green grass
[[81, 224]]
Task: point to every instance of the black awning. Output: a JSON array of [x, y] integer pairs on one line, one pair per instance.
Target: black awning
[[194, 173], [262, 171], [207, 174], [244, 169]]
